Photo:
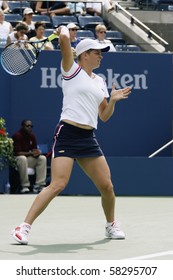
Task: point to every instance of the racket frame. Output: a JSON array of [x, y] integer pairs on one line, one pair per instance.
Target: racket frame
[[37, 52]]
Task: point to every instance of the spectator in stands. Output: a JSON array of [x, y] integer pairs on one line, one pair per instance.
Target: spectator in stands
[[100, 32], [27, 155], [27, 19], [40, 28], [77, 8], [5, 29], [52, 8], [96, 8], [4, 7], [72, 27], [19, 33], [108, 5]]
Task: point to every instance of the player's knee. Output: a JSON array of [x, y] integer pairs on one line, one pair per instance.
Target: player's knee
[[107, 187], [58, 186]]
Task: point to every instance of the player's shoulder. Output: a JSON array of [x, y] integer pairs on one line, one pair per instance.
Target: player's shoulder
[[72, 72], [96, 76]]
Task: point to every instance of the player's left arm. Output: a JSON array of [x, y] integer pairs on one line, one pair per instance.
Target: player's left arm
[[106, 108]]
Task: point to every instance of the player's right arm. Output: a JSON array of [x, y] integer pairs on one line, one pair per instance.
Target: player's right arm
[[66, 50]]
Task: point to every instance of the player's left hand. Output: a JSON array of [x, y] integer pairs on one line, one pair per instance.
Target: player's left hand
[[120, 94]]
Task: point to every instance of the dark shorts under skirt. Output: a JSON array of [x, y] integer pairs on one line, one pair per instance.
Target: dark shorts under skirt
[[74, 142]]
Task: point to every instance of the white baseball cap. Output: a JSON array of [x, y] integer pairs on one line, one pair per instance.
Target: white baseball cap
[[28, 11], [88, 44], [72, 25]]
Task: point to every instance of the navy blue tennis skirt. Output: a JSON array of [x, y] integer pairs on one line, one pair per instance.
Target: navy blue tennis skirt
[[74, 142]]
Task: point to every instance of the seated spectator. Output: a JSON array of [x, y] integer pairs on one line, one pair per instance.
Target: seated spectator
[[40, 28], [5, 29], [72, 27], [4, 7], [100, 32], [27, 155], [27, 19], [76, 8], [52, 8], [19, 33], [96, 8], [108, 5]]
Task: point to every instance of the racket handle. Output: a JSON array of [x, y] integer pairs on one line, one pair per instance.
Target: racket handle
[[52, 36]]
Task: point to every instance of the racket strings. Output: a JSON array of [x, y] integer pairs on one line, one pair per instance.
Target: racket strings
[[18, 58]]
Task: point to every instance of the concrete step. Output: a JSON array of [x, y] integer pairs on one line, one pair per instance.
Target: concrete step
[[125, 4], [128, 5]]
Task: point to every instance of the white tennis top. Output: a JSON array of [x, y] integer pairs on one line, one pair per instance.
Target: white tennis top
[[82, 96]]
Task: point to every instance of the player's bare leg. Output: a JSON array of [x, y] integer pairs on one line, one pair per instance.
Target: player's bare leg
[[61, 169], [98, 170]]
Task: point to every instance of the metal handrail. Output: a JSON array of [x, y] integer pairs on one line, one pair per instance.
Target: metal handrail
[[161, 149], [133, 20]]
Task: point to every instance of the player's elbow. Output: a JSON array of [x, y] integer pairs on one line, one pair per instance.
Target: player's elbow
[[103, 118]]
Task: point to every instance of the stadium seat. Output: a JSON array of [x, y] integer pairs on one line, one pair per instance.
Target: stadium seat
[[144, 4], [127, 48], [133, 48], [63, 20], [17, 7], [115, 37], [48, 32], [89, 22], [120, 48], [43, 148], [13, 18], [43, 18], [162, 5], [85, 34]]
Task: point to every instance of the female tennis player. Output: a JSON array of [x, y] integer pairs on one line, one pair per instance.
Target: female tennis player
[[85, 98]]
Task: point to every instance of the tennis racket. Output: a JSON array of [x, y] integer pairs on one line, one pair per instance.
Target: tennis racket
[[19, 57]]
